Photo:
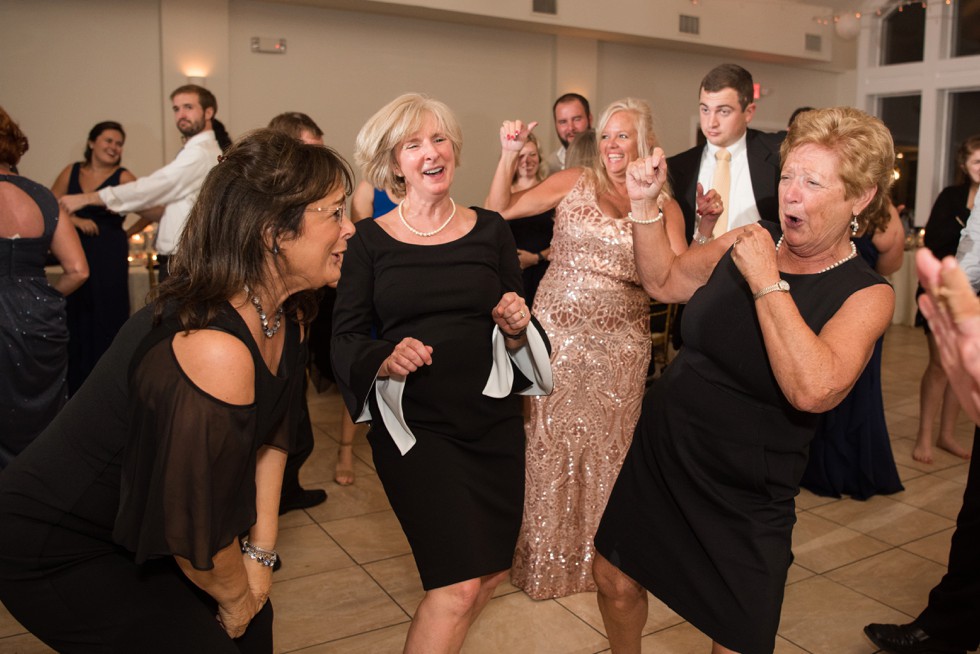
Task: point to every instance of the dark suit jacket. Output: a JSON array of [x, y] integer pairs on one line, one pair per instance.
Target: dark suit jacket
[[762, 149]]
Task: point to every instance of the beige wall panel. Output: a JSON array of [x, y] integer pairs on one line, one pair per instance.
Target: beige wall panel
[[68, 65], [341, 67]]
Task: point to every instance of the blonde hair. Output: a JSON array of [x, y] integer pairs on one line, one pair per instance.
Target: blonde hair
[[646, 140], [542, 170], [374, 150], [863, 146]]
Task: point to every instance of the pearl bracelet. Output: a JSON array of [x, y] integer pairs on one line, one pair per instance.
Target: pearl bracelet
[[265, 557], [655, 219]]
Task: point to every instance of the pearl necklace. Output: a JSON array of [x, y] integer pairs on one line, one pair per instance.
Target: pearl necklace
[[854, 252], [268, 331], [441, 227]]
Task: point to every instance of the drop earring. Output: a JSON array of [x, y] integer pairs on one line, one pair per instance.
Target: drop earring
[[854, 225]]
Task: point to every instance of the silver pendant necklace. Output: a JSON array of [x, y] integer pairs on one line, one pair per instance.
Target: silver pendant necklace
[[441, 227], [854, 252], [264, 319]]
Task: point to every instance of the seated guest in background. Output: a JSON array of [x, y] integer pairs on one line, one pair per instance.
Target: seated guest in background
[[949, 623], [532, 234], [778, 329], [119, 525], [432, 340], [597, 316], [33, 335], [946, 220], [302, 128], [100, 307], [175, 185], [851, 452]]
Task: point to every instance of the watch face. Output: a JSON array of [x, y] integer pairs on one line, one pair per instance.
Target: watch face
[[783, 285]]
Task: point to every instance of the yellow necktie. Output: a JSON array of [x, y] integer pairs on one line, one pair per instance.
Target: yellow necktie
[[722, 183]]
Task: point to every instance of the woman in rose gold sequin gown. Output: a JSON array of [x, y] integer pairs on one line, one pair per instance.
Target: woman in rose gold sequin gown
[[596, 316]]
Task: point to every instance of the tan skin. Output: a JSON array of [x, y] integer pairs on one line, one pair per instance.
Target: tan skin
[[814, 371], [221, 365], [953, 311], [934, 392], [617, 145], [427, 163], [26, 221]]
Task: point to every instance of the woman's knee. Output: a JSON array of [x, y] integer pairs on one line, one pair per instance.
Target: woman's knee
[[459, 598], [613, 582]]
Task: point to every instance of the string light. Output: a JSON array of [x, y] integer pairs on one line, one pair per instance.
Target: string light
[[885, 7]]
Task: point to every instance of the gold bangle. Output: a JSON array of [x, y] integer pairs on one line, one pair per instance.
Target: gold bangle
[[655, 219]]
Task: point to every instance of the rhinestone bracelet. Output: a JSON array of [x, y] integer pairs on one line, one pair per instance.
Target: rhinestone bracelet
[[267, 558]]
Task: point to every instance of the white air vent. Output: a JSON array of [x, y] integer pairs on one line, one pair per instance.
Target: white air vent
[[690, 24], [545, 7], [814, 43]]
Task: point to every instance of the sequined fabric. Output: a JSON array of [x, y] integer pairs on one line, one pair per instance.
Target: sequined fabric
[[595, 314]]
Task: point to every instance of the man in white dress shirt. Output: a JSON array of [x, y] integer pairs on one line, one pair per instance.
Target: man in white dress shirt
[[176, 185]]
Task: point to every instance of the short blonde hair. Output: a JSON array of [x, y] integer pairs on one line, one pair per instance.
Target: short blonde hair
[[374, 150], [646, 138], [863, 146]]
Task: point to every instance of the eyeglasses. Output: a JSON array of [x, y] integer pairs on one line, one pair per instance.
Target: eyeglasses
[[338, 213]]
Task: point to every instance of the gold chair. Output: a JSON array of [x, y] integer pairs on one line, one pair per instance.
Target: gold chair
[[661, 321]]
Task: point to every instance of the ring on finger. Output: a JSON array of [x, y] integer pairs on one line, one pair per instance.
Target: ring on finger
[[523, 315]]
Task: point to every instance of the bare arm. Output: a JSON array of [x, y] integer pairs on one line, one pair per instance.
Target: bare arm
[[146, 217], [67, 248], [666, 275], [362, 202], [60, 186], [227, 583], [221, 365], [890, 244], [814, 371]]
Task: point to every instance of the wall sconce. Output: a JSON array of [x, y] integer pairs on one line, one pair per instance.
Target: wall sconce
[[268, 45]]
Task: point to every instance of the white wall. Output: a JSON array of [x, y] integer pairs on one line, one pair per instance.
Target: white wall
[[70, 64], [341, 67]]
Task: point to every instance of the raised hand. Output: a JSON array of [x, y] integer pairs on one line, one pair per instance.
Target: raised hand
[[513, 134], [646, 177], [408, 356]]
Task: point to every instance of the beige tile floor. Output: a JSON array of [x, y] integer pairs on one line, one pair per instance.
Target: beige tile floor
[[349, 583]]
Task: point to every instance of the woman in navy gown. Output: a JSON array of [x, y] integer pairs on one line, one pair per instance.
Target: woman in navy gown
[[851, 453], [33, 336], [100, 307]]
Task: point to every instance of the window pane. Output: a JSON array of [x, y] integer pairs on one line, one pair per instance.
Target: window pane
[[966, 28], [903, 34], [964, 107], [901, 115]]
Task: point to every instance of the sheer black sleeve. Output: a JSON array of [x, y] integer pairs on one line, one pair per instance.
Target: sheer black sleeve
[[188, 474]]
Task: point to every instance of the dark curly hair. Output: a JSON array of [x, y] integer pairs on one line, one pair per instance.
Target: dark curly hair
[[252, 200]]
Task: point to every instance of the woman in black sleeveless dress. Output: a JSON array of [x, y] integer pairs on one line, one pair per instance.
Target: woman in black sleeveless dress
[[101, 306], [777, 330], [120, 524]]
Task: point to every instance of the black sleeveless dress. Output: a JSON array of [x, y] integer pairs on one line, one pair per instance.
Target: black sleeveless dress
[[703, 511], [139, 466], [100, 306], [33, 335]]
